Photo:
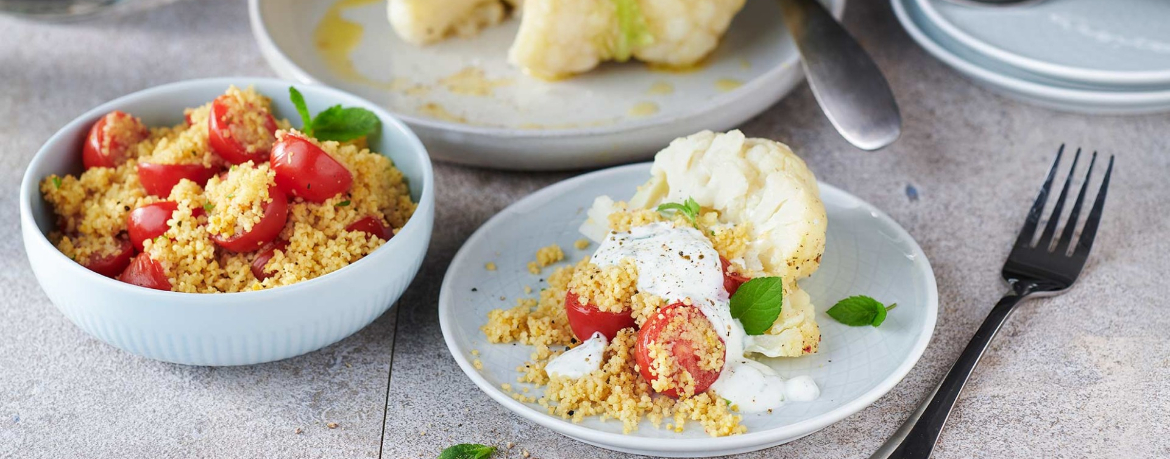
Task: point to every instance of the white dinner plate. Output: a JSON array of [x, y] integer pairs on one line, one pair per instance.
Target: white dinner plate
[[1115, 43], [1016, 83], [604, 117], [866, 253]]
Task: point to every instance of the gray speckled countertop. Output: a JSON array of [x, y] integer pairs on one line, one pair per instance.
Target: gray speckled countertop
[[1081, 375]]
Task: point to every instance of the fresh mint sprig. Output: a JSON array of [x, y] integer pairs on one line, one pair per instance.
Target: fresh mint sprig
[[757, 304], [337, 123], [467, 451], [298, 101], [689, 209], [860, 310]]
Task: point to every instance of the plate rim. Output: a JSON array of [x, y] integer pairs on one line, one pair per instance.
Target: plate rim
[[748, 441], [279, 61], [1072, 74], [1129, 101]]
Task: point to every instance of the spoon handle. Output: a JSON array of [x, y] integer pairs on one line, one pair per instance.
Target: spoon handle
[[844, 79]]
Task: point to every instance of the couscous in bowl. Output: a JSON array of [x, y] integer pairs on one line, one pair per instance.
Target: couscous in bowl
[[230, 328]]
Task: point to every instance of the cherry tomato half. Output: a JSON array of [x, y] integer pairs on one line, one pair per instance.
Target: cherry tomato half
[[149, 222], [585, 319], [731, 281], [684, 351], [231, 139], [113, 264], [306, 171], [110, 137], [264, 231], [372, 225], [158, 179], [145, 272], [264, 256]]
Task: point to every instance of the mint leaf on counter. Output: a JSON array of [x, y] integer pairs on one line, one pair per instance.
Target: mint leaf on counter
[[467, 451]]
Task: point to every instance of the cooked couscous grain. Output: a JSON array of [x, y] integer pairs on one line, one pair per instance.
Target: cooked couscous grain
[[616, 391], [610, 289], [92, 208]]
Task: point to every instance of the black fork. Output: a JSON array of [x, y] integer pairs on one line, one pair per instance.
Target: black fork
[[1045, 267]]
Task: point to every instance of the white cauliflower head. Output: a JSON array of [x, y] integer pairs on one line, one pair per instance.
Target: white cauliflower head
[[758, 182], [684, 31], [755, 182], [559, 38]]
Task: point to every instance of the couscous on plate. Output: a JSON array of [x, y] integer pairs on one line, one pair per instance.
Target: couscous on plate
[[232, 199], [693, 278]]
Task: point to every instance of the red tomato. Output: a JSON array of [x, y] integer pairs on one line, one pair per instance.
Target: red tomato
[[372, 225], [232, 141], [305, 170], [585, 319], [684, 351], [145, 272], [111, 265], [264, 255], [264, 231], [110, 137], [731, 281], [149, 222], [158, 179]]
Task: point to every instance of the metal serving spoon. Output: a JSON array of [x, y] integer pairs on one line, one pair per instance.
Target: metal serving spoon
[[846, 83]]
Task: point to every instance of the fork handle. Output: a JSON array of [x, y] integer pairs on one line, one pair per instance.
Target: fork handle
[[916, 438]]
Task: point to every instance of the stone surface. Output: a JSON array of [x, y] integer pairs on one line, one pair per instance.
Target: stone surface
[[1079, 375]]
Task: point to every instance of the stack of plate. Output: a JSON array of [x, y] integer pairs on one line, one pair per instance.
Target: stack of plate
[[1086, 56]]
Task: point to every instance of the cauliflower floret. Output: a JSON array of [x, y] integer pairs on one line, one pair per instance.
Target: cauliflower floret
[[559, 38], [795, 331], [754, 182], [684, 31], [427, 21]]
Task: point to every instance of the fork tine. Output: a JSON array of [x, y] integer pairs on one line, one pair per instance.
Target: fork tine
[[1029, 229], [1046, 241], [1090, 232], [1070, 225]]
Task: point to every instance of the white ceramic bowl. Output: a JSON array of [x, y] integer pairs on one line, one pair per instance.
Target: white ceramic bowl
[[229, 328]]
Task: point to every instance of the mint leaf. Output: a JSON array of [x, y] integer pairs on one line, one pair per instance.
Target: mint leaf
[[467, 451], [299, 102], [860, 310], [690, 209], [757, 304], [342, 203], [57, 182], [345, 124]]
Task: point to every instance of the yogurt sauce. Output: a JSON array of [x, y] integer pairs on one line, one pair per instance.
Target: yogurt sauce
[[678, 263], [581, 360]]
